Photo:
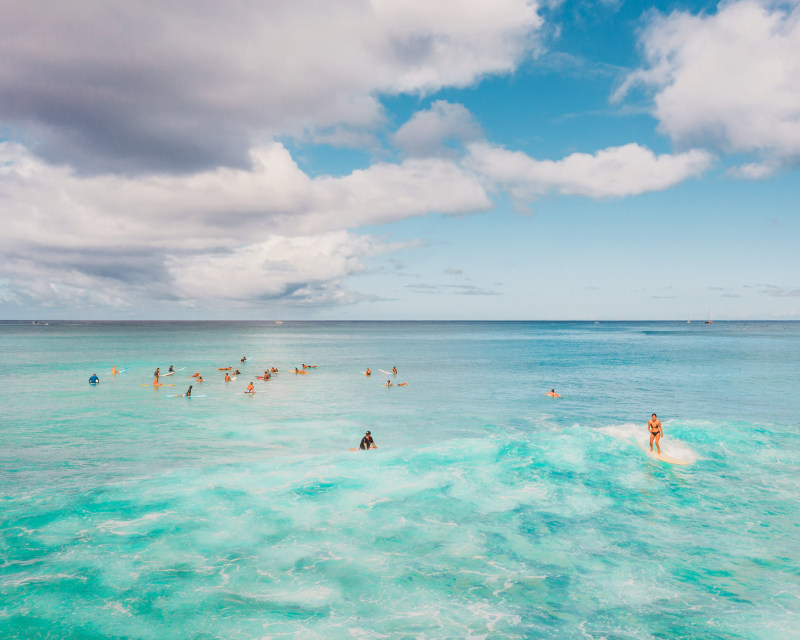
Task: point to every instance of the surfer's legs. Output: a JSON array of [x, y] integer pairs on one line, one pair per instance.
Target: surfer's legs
[[651, 441], [658, 437]]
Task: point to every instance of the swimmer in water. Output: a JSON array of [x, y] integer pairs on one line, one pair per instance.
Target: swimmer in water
[[244, 359], [552, 393], [368, 372], [367, 442], [250, 388], [237, 372], [199, 378], [388, 383], [656, 431]]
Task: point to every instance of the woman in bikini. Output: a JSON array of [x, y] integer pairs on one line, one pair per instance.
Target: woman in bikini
[[654, 426]]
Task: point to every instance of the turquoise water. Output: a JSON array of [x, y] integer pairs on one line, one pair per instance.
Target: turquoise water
[[488, 511]]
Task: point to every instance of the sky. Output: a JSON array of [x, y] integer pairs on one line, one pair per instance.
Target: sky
[[400, 159]]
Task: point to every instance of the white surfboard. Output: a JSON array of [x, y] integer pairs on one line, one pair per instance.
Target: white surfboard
[[665, 458]]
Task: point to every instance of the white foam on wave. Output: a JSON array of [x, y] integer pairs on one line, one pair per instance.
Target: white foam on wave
[[120, 527], [637, 435]]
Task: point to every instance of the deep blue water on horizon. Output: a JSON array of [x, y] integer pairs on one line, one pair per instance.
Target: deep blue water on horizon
[[488, 511]]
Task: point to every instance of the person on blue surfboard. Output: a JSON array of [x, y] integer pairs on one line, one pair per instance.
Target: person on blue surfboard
[[94, 379]]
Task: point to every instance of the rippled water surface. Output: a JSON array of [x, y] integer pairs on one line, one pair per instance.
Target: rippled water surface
[[488, 511]]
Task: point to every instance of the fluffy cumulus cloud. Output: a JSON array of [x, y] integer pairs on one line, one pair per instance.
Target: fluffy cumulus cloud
[[185, 86], [428, 132], [302, 268], [190, 237], [730, 80], [614, 172]]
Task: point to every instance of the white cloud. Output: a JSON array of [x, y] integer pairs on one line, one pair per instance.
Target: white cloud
[[729, 80], [181, 86], [613, 172], [427, 131], [280, 267], [270, 231]]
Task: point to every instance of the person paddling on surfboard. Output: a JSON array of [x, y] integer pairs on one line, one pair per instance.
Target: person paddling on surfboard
[[552, 393], [367, 442], [171, 370], [654, 426]]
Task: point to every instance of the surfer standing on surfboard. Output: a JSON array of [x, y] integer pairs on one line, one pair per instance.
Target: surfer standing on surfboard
[[654, 426]]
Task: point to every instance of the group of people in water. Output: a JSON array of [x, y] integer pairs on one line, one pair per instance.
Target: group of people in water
[[653, 425]]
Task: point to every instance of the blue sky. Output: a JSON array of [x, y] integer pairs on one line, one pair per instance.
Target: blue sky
[[401, 160]]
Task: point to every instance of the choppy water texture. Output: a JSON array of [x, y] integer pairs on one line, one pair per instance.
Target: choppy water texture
[[488, 511]]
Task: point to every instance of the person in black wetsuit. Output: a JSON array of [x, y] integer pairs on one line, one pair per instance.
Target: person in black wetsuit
[[367, 442], [189, 392]]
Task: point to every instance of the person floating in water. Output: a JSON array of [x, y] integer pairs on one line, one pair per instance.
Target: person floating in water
[[250, 388], [367, 442], [188, 393], [394, 370], [654, 426], [552, 393], [94, 379]]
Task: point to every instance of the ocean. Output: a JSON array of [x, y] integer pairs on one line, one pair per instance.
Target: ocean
[[489, 510]]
